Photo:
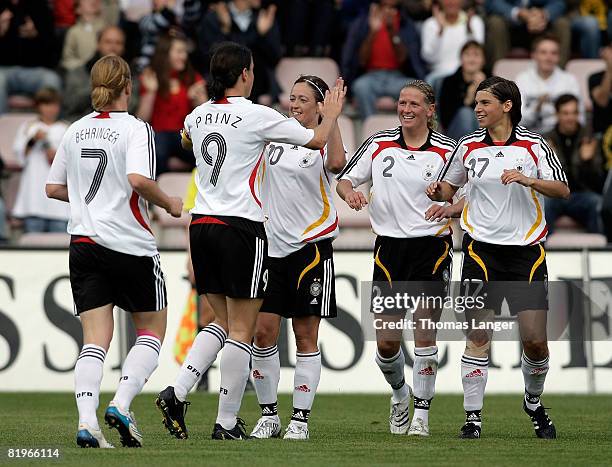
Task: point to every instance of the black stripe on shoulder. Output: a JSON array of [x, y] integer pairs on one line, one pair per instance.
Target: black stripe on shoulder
[[364, 146], [438, 138], [551, 157], [476, 135]]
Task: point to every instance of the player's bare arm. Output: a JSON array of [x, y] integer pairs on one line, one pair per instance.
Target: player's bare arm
[[440, 191], [57, 191], [149, 190], [550, 188], [355, 199]]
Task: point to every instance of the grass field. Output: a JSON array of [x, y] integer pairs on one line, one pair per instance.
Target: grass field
[[345, 430]]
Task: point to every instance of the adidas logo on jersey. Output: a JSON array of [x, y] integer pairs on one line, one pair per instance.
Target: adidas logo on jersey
[[257, 374], [410, 157], [426, 371], [499, 154], [294, 147], [475, 373], [302, 388]]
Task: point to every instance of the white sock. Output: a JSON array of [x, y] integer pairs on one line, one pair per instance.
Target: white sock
[[139, 365], [234, 367], [266, 375], [200, 357], [474, 373], [393, 371], [534, 375], [87, 379], [424, 374], [305, 384]]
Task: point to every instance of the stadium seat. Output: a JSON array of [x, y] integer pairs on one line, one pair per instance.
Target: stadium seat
[[44, 240], [509, 68], [582, 68], [170, 228], [9, 124], [289, 69], [9, 190], [376, 123], [566, 223], [347, 129], [386, 104], [21, 103], [352, 238], [575, 240]]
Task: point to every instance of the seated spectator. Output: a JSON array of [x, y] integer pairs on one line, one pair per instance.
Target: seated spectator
[[518, 22], [542, 83], [444, 34], [585, 25], [600, 89], [77, 90], [245, 22], [3, 231], [80, 42], [380, 53], [35, 145], [27, 42], [169, 90], [152, 26], [459, 92], [580, 157], [307, 27]]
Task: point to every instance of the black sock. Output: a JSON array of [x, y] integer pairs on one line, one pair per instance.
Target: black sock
[[473, 416], [421, 403], [300, 415], [269, 410]]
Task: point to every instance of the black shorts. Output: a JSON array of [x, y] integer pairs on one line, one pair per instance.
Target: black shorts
[[99, 276], [412, 266], [228, 256], [516, 273], [302, 283]]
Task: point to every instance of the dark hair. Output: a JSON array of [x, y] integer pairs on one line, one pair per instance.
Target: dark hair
[[504, 90], [227, 62], [47, 96], [564, 99], [545, 37], [318, 86], [472, 43], [160, 63]]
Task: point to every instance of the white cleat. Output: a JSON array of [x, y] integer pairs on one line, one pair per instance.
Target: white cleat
[[88, 437], [399, 416], [125, 423], [267, 427], [418, 427], [297, 431]]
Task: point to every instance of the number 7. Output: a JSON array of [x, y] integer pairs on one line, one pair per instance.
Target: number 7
[[99, 173]]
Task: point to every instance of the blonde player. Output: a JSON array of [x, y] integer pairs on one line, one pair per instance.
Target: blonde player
[[301, 227], [507, 171], [105, 168], [401, 163], [228, 241]]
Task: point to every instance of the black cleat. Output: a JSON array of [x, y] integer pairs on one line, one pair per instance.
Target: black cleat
[[470, 431], [238, 432], [173, 412], [542, 425]]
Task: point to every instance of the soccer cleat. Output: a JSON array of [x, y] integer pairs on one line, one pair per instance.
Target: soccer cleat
[[88, 437], [267, 427], [125, 424], [399, 416], [173, 412], [470, 431], [238, 432], [542, 424], [418, 427], [297, 430]]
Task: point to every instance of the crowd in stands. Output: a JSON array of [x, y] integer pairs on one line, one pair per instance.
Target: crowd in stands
[[48, 48]]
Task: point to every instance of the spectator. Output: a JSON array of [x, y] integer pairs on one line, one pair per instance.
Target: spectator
[[542, 83], [152, 26], [381, 51], [585, 26], [169, 90], [245, 22], [459, 92], [580, 157], [80, 42], [600, 89], [35, 145], [517, 22], [27, 42], [307, 26], [77, 100], [3, 231], [444, 34]]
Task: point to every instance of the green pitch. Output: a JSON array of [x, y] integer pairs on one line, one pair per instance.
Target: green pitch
[[345, 430]]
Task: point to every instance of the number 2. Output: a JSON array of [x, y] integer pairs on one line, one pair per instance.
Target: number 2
[[387, 171], [102, 157]]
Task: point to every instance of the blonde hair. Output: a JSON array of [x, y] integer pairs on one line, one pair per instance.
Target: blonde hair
[[109, 77], [430, 98]]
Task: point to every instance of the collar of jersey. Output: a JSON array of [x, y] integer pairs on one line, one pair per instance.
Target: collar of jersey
[[489, 141], [400, 140]]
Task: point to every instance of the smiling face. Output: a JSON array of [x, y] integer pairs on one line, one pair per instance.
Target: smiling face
[[489, 110], [303, 105], [412, 109]]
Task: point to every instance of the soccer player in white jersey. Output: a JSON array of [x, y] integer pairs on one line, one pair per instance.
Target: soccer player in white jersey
[[105, 169], [507, 171], [401, 163], [228, 240], [302, 223]]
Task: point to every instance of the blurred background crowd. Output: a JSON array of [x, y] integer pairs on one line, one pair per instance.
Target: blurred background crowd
[[558, 52]]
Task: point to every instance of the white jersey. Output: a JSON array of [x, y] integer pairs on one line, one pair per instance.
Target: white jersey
[[496, 213], [228, 138], [400, 175], [297, 198], [94, 159]]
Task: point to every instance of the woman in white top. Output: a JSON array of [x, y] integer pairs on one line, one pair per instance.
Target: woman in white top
[[105, 169]]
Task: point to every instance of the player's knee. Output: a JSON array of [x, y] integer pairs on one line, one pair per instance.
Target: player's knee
[[535, 349], [221, 322], [477, 345], [265, 336], [306, 341], [388, 349]]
